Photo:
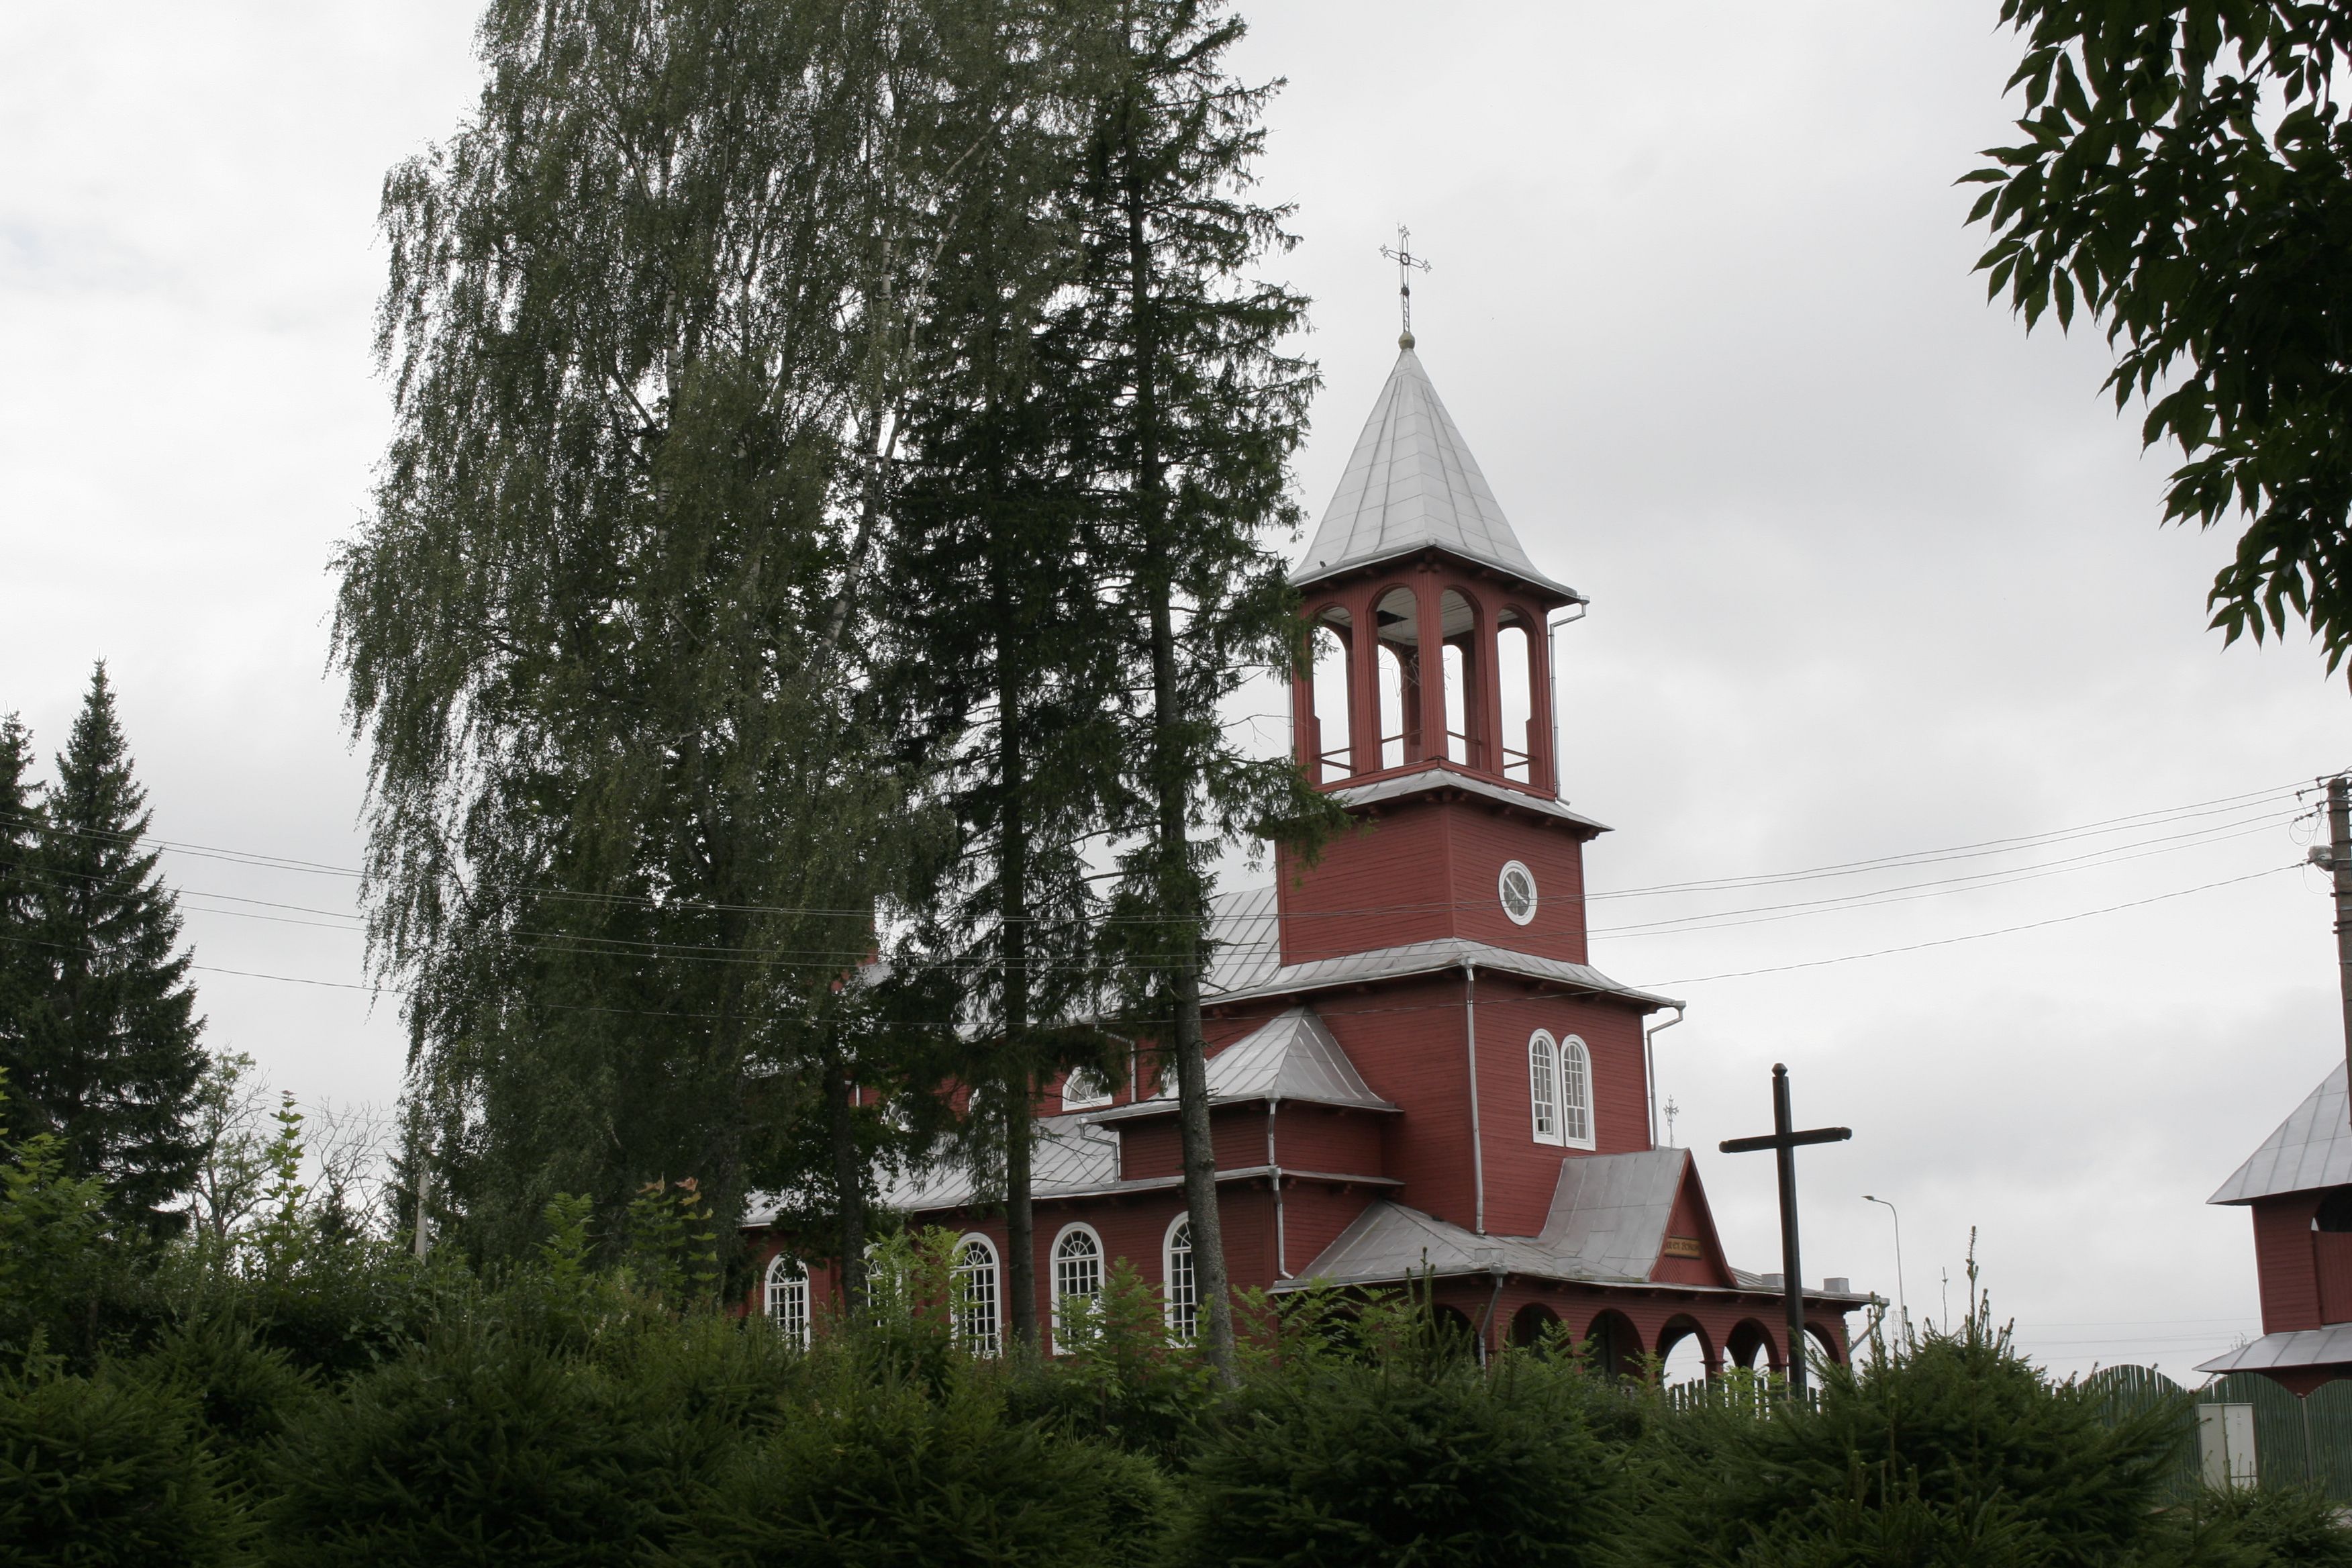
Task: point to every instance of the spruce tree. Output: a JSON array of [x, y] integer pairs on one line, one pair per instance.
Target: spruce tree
[[110, 1060], [1007, 669], [22, 956], [1197, 410]]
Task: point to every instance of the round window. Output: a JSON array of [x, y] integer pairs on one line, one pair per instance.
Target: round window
[[1517, 886]]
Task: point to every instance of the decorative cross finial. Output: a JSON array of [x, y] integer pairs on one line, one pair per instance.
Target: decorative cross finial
[[1407, 263]]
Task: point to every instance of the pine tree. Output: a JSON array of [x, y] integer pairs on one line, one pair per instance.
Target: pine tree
[[1197, 411], [22, 956], [110, 1060]]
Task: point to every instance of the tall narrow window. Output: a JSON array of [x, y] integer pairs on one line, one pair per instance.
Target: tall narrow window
[[1514, 647], [1183, 1285], [1576, 1092], [1459, 631], [1334, 758], [787, 1299], [1396, 623], [976, 1318], [1077, 1270], [1543, 1086]]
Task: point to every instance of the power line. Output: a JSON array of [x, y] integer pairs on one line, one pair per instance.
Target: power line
[[1327, 1011], [2113, 855], [2155, 817], [1978, 936]]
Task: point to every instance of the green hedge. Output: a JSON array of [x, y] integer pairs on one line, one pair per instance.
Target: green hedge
[[95, 1472]]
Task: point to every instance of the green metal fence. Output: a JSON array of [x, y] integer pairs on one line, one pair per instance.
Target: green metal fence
[[2296, 1441]]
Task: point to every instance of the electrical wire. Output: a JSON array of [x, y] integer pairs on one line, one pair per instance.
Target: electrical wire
[[1977, 849]]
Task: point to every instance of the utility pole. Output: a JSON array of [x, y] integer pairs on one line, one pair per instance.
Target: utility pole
[[2339, 867]]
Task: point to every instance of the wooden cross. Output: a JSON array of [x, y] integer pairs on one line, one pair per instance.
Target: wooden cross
[[1407, 263], [1784, 1142]]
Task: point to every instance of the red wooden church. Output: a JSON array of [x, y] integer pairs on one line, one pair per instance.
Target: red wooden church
[[1413, 1069], [2298, 1187]]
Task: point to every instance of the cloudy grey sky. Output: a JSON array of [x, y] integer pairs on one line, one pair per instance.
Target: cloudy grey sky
[[1872, 574]]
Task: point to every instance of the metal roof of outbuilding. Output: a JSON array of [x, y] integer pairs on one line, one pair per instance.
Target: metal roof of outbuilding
[[2311, 1149], [2286, 1352], [1410, 485]]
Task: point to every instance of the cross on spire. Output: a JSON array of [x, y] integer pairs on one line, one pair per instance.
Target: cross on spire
[[1407, 264]]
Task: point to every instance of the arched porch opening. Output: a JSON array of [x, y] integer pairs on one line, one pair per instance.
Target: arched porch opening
[[1749, 1344], [1686, 1354], [1824, 1344], [1612, 1348], [1532, 1326]]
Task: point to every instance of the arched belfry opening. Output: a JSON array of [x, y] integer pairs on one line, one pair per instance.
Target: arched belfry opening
[[1431, 629]]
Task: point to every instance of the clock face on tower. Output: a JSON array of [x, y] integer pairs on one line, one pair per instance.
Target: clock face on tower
[[1516, 888]]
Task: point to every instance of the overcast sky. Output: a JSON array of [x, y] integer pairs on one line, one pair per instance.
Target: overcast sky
[[1872, 574]]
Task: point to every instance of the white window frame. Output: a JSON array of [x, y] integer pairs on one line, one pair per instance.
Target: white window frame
[[785, 1298], [974, 1299], [1543, 1088], [1182, 1311], [1083, 1089], [1576, 1108], [1502, 896], [1055, 1260]]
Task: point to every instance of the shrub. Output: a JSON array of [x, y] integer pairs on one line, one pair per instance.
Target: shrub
[[873, 1473], [2276, 1527], [242, 1393], [479, 1447], [1415, 1460], [1951, 1449], [1121, 1382], [103, 1471]]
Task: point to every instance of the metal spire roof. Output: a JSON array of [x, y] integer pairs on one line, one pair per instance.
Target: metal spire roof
[[1410, 485], [2311, 1147]]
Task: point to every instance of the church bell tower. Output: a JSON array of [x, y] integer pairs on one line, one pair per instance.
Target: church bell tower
[[1429, 709]]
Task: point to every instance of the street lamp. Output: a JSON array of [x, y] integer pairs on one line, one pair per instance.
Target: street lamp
[[1900, 1302]]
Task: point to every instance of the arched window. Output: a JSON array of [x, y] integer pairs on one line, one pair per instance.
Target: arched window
[[1576, 1092], [787, 1299], [1084, 1090], [976, 1318], [1077, 1267], [1184, 1287], [1543, 1086]]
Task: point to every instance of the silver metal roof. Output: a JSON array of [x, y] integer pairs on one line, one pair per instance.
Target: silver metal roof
[[1434, 778], [1257, 979], [1608, 1213], [2299, 1347], [1292, 1057], [1390, 1242], [1069, 1156], [1245, 938], [1412, 484], [2311, 1147]]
